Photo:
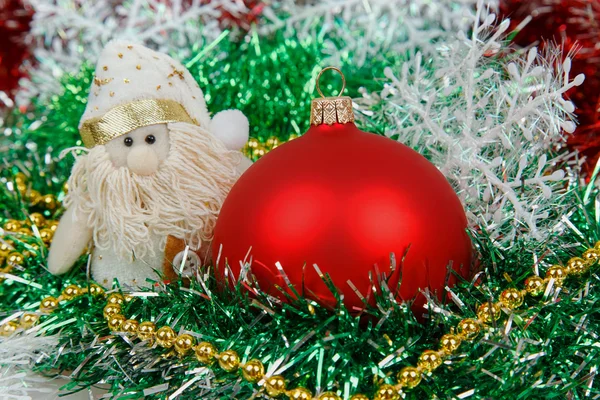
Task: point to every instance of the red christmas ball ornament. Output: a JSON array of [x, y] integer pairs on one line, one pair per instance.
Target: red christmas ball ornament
[[343, 200]]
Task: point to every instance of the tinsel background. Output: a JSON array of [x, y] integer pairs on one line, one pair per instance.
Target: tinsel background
[[440, 77]]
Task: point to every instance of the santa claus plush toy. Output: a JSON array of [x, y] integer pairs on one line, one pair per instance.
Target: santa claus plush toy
[[155, 172]]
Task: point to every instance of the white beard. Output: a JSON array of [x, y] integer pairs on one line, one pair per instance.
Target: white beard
[[181, 199]]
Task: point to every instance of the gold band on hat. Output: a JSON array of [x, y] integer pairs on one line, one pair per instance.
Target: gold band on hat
[[125, 118]]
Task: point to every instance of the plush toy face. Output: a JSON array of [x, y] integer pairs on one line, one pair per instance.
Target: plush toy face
[[142, 150]]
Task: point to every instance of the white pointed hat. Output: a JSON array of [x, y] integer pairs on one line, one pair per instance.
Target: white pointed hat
[[134, 87]]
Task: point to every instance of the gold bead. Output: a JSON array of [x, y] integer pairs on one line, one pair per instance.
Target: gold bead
[[71, 292], [111, 310], [96, 290], [24, 231], [6, 246], [253, 371], [430, 360], [275, 385], [145, 330], [8, 328], [15, 258], [299, 393], [387, 392], [205, 352], [229, 360], [488, 313], [33, 248], [34, 197], [591, 255], [115, 322], [165, 337], [259, 151], [409, 377], [115, 298], [468, 328], [52, 225], [37, 219], [511, 298], [557, 273], [12, 225], [20, 178], [49, 202], [28, 320], [329, 396], [65, 187], [46, 235], [359, 396], [22, 188], [449, 343], [130, 326], [577, 266], [535, 285], [48, 304], [184, 343], [272, 142]]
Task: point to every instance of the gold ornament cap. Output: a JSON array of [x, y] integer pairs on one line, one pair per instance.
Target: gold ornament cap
[[331, 110]]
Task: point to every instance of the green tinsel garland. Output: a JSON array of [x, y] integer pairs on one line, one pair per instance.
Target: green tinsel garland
[[550, 351]]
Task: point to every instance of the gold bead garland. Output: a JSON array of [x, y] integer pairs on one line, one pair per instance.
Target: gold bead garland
[[487, 314], [9, 257], [255, 149], [33, 197], [229, 360], [253, 371], [408, 377], [47, 305]]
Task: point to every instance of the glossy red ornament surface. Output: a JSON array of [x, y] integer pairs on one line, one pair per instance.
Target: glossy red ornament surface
[[343, 199]]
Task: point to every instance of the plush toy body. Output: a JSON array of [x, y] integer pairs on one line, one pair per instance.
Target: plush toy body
[[156, 168]]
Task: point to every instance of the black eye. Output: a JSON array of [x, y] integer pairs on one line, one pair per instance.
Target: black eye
[[128, 141], [150, 139]]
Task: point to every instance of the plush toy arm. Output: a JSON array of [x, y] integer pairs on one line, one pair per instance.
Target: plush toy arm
[[69, 242]]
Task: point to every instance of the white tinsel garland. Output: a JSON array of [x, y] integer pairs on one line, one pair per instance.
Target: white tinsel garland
[[490, 123], [64, 33], [373, 28], [19, 354]]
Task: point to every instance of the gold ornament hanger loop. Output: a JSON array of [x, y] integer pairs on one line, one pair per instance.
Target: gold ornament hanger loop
[[331, 110], [336, 70]]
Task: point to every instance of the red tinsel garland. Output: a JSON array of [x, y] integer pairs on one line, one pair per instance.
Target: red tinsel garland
[[576, 25], [14, 25]]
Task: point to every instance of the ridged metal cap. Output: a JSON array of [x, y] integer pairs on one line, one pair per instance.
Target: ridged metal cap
[[331, 110]]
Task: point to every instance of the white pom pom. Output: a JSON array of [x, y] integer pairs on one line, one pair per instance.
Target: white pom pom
[[232, 127]]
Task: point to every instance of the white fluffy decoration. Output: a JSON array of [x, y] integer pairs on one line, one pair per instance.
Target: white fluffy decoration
[[232, 127], [490, 131]]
